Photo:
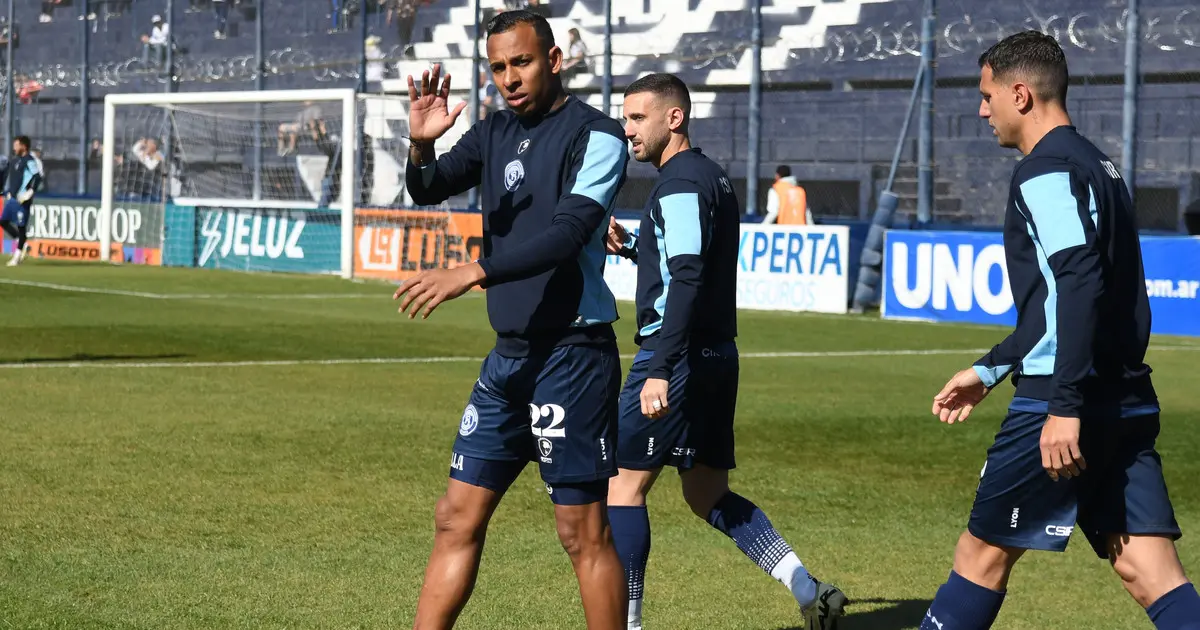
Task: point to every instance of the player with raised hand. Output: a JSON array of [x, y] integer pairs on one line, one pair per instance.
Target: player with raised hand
[[1078, 443], [549, 169], [677, 406]]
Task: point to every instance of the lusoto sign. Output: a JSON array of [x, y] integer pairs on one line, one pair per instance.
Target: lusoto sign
[[791, 268]]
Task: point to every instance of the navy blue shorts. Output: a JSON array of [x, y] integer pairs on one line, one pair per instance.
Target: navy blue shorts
[[1122, 491], [698, 427], [557, 408], [15, 212]]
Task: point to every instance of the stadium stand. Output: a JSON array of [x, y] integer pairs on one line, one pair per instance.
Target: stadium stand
[[836, 80]]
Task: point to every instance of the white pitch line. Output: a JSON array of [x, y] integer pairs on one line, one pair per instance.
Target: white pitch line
[[191, 296], [420, 360], [475, 359]]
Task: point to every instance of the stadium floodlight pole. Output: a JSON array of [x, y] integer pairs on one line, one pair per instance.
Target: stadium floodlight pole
[[10, 91], [925, 139], [260, 80], [476, 61], [755, 119], [169, 134], [606, 90], [362, 47], [84, 101], [1129, 122]]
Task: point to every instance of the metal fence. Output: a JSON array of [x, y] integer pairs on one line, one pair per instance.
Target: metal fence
[[828, 102]]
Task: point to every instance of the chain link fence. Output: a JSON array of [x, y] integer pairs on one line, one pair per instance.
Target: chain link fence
[[836, 84]]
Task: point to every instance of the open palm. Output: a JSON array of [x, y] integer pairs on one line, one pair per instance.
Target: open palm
[[959, 397], [429, 115]]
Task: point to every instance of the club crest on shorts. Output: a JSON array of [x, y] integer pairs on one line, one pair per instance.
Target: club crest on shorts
[[470, 420], [514, 174], [544, 447]]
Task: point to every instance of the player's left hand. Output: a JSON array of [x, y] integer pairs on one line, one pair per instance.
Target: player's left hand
[[430, 288], [654, 398], [1061, 456], [959, 397]]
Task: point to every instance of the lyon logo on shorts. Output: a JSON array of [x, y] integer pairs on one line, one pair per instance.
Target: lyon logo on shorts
[[514, 174], [470, 420]]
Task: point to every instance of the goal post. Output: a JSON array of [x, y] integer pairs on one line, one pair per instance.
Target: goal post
[[251, 168]]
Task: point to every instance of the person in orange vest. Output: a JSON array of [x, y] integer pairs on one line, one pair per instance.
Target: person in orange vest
[[787, 202]]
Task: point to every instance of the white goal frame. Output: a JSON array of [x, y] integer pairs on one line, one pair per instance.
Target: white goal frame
[[345, 202]]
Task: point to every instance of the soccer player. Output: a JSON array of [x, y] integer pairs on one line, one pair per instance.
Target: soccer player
[[549, 167], [20, 183], [1077, 445], [678, 402]]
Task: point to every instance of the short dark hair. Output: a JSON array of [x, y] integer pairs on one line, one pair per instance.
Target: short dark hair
[[784, 170], [665, 85], [508, 20], [1034, 56], [25, 141]]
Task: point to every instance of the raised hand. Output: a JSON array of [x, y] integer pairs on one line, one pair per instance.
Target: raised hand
[[960, 395], [429, 116]]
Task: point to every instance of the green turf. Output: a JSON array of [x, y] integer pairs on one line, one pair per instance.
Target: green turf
[[300, 496]]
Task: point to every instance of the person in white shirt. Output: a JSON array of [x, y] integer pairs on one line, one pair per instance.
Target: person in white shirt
[[376, 69], [155, 44], [785, 194]]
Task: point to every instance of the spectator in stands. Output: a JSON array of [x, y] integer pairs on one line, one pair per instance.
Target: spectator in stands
[[787, 202], [489, 95], [142, 175], [367, 185], [289, 133], [576, 60], [115, 8], [330, 147], [27, 89], [376, 68], [48, 10], [221, 9], [405, 14], [154, 45], [342, 14]]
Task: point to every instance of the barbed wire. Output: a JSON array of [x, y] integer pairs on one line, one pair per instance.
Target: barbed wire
[[1168, 31]]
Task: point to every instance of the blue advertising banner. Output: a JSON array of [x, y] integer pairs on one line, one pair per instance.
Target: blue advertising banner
[[961, 277], [946, 276], [1172, 265], [303, 241]]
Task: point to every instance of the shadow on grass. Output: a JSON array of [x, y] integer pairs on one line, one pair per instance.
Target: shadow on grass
[[86, 358], [897, 614]]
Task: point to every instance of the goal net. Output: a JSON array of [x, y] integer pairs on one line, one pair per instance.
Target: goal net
[[308, 181], [258, 181]]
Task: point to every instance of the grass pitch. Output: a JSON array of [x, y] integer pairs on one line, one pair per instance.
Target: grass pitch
[[224, 492]]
